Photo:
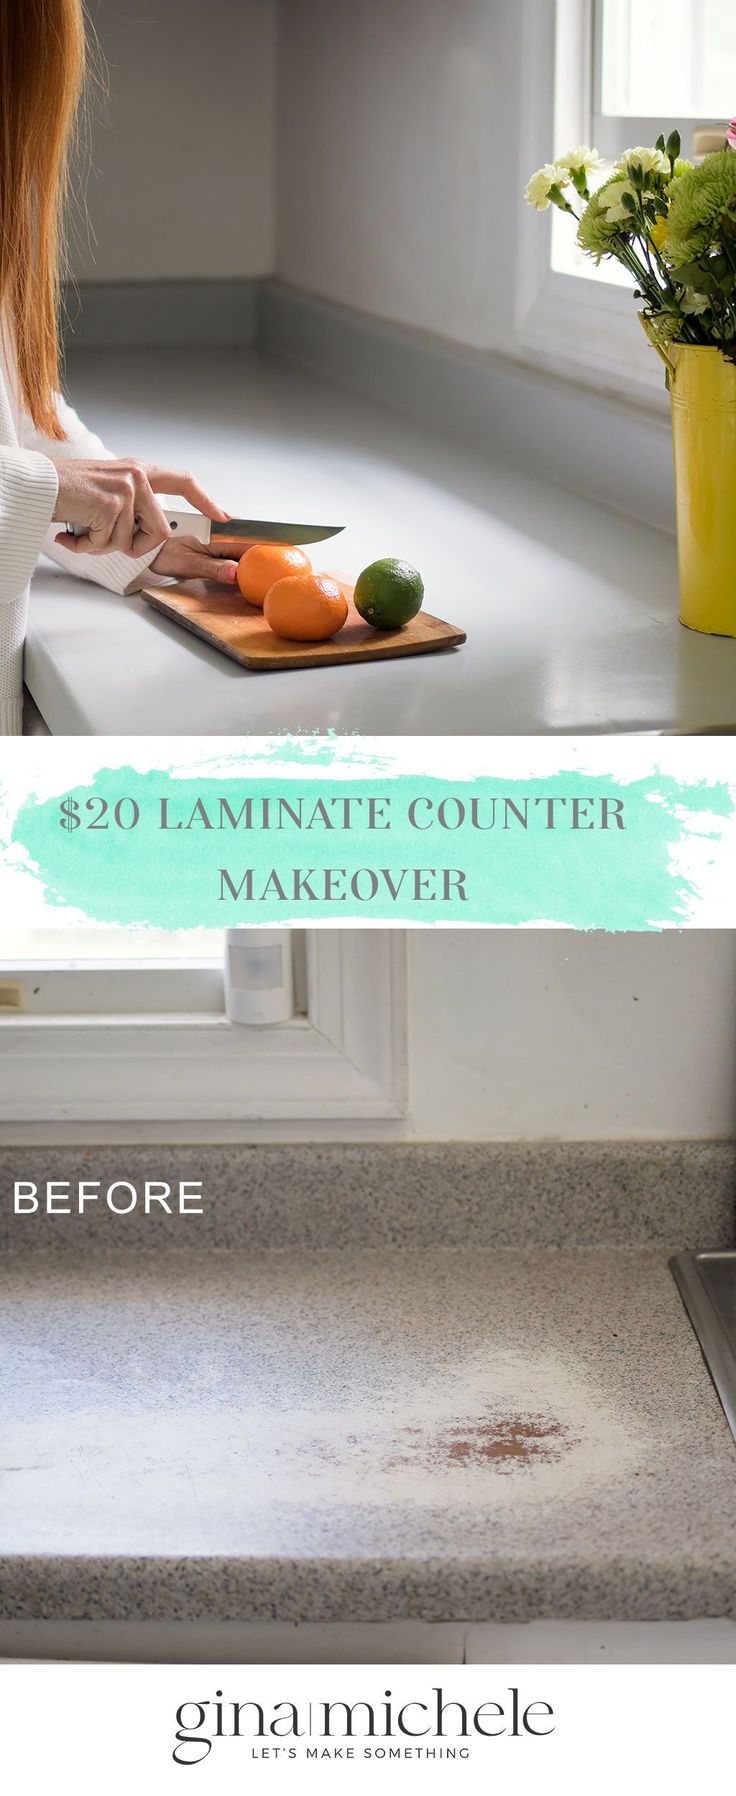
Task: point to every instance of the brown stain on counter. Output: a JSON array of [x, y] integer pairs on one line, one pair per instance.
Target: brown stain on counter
[[502, 1441]]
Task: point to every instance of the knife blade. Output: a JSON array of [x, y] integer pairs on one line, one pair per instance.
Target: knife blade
[[245, 531], [239, 534]]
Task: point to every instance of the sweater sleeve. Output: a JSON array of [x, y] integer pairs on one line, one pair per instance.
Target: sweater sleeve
[[28, 488], [119, 573]]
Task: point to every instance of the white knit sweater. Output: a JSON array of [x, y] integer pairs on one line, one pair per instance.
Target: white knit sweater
[[28, 490]]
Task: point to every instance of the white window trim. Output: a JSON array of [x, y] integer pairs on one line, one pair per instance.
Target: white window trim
[[583, 330], [346, 1059], [116, 988]]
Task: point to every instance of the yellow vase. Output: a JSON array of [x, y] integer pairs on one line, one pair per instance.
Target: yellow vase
[[703, 394]]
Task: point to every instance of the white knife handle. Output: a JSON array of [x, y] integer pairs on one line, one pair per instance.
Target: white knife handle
[[189, 523], [183, 523]]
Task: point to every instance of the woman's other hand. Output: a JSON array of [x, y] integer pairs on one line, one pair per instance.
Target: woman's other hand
[[114, 504], [195, 561]]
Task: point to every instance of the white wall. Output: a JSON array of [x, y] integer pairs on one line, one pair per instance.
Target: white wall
[[548, 1033], [398, 186], [182, 178]]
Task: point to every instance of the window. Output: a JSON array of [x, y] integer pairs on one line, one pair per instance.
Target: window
[[150, 1038], [612, 73], [93, 945], [127, 971], [652, 64], [663, 62], [111, 971]]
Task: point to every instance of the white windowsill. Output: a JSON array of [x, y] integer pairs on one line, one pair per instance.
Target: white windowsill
[[345, 1060], [587, 332]]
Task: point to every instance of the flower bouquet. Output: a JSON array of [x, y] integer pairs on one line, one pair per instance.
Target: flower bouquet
[[672, 225]]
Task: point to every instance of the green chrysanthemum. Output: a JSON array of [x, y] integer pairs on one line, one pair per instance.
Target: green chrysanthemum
[[596, 231], [664, 329], [698, 201]]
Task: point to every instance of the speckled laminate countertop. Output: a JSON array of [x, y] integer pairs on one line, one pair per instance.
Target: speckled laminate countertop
[[361, 1435]]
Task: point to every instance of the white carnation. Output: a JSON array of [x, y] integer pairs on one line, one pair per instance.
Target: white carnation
[[651, 162], [694, 303], [538, 190], [611, 200], [581, 158]]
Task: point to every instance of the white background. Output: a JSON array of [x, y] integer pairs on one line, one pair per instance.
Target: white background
[[88, 1728]]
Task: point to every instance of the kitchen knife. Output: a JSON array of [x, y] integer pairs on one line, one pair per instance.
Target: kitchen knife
[[244, 531], [238, 534]]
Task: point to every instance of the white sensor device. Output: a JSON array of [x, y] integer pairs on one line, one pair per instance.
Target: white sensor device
[[259, 982]]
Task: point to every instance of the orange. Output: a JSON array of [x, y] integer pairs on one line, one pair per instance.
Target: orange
[[305, 607], [264, 563]]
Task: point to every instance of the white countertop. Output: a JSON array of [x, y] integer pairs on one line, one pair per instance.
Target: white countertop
[[570, 610]]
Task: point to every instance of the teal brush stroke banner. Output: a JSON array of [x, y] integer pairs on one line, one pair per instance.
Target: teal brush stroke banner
[[103, 849]]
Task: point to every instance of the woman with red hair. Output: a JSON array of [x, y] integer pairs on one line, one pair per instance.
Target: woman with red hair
[[60, 489]]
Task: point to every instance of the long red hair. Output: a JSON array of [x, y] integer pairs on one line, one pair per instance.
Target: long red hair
[[42, 66]]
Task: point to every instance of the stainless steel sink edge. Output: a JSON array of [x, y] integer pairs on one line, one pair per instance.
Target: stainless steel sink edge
[[718, 1347]]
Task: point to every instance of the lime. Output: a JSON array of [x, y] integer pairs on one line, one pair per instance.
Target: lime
[[388, 594]]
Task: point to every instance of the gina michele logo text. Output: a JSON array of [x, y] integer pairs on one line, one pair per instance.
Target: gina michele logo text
[[432, 1726]]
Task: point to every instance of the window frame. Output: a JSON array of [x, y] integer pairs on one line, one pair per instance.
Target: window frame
[[115, 988], [584, 329], [636, 130], [346, 1058], [68, 985]]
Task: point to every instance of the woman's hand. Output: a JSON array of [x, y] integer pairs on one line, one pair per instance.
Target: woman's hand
[[195, 561], [115, 504]]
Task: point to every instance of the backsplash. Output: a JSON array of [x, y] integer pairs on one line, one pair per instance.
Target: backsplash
[[312, 1197]]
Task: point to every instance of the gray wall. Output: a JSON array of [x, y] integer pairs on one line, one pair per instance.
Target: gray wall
[[181, 183], [398, 187]]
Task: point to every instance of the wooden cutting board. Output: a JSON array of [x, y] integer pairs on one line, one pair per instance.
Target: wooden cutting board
[[228, 623]]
